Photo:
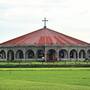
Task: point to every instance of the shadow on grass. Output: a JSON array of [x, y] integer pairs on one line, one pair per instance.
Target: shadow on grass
[[42, 66]]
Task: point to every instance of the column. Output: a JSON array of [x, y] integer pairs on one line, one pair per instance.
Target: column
[[58, 55]]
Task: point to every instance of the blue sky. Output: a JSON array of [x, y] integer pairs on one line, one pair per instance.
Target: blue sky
[[18, 17]]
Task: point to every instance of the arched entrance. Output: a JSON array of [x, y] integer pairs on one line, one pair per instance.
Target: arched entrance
[[82, 54], [19, 54], [51, 55], [73, 54], [29, 54], [10, 55], [63, 54], [2, 54], [88, 54], [40, 53]]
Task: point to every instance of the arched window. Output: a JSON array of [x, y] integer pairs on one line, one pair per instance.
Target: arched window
[[88, 54], [73, 54], [2, 54], [19, 54], [29, 54], [40, 53], [82, 54], [10, 55], [63, 53], [51, 55]]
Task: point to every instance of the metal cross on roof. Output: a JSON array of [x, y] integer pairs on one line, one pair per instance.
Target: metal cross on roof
[[45, 20]]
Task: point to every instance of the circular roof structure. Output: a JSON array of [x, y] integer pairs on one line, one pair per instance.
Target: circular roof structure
[[44, 36]]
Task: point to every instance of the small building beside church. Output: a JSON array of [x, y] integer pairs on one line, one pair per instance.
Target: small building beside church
[[44, 44]]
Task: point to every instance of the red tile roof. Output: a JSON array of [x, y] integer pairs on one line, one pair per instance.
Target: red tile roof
[[44, 36]]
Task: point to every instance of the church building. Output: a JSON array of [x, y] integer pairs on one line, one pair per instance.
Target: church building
[[44, 45]]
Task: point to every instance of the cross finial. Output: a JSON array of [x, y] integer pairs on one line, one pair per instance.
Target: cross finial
[[45, 20]]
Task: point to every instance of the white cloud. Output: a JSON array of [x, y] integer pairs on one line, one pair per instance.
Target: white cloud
[[18, 17]]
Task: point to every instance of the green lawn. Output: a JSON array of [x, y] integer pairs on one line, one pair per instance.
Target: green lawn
[[44, 79]]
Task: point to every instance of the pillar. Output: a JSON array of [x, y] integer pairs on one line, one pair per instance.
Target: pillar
[[58, 55]]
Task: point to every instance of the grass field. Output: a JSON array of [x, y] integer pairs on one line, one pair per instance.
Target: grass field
[[44, 79]]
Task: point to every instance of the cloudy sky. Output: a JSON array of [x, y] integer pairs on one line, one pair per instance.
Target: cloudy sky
[[18, 17]]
